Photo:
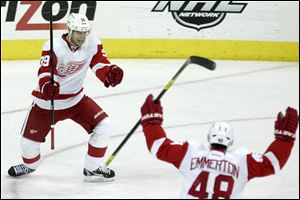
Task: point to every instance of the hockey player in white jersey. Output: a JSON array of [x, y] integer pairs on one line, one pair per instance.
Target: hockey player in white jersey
[[74, 53], [216, 172]]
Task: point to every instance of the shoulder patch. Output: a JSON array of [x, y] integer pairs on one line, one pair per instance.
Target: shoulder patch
[[257, 157]]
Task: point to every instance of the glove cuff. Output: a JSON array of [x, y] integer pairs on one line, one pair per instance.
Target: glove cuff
[[286, 135], [102, 73], [152, 115], [152, 118]]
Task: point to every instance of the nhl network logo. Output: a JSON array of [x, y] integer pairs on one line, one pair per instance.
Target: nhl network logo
[[199, 14]]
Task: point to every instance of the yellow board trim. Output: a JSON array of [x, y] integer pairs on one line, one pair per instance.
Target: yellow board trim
[[163, 48]]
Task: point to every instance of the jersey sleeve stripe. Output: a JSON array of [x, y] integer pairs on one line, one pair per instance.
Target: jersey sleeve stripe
[[274, 161], [99, 66], [156, 145], [42, 75]]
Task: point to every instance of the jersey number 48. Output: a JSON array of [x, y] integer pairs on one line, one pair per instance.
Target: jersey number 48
[[202, 181]]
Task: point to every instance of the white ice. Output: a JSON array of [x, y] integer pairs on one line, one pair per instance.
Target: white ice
[[247, 94]]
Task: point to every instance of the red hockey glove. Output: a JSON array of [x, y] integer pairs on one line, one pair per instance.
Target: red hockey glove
[[114, 76], [47, 89], [151, 113], [286, 126]]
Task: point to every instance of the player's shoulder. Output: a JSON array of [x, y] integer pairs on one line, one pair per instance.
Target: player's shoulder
[[57, 42], [239, 152], [196, 145], [92, 40], [46, 46]]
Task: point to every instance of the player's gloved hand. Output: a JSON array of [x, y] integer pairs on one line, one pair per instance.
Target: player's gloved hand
[[286, 126], [151, 113], [114, 76], [47, 89]]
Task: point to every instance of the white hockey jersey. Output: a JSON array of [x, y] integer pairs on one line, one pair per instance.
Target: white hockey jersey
[[212, 174], [70, 69]]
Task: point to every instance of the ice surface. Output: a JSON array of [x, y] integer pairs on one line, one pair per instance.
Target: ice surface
[[247, 94]]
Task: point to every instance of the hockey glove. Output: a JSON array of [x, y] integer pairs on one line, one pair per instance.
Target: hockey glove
[[286, 126], [151, 113], [114, 76], [47, 89]]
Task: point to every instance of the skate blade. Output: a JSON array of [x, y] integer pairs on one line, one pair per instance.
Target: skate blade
[[97, 179]]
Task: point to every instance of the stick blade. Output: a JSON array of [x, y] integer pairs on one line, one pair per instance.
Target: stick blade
[[204, 62]]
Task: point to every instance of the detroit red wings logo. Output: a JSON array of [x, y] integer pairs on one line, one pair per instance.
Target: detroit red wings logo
[[70, 68]]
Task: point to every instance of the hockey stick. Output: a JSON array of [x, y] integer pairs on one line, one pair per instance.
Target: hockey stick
[[204, 62], [52, 75]]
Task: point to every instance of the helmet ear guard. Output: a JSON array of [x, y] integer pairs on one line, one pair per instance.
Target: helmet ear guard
[[220, 133]]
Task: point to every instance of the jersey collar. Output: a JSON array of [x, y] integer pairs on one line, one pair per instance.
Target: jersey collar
[[71, 47]]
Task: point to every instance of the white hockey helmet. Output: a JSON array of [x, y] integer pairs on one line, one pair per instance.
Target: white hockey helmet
[[220, 133], [78, 22]]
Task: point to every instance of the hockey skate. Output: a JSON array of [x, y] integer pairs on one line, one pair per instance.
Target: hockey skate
[[99, 175], [19, 170]]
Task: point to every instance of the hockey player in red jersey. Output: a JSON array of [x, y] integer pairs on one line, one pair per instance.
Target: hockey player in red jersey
[[74, 53], [216, 172]]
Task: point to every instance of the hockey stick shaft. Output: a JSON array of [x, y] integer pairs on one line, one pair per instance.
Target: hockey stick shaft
[[204, 62], [52, 75]]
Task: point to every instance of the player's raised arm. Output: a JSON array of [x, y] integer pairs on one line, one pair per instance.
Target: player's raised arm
[[277, 154], [157, 142]]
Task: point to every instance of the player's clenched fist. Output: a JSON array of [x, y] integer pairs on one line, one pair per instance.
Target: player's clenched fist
[[152, 113], [114, 76], [47, 89]]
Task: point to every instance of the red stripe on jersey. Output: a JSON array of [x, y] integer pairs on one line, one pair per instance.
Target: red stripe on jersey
[[99, 57], [39, 95], [168, 151], [172, 153], [96, 152], [282, 150], [31, 160], [153, 132], [258, 168], [45, 63]]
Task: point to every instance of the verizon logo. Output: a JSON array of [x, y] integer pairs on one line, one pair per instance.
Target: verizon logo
[[60, 10]]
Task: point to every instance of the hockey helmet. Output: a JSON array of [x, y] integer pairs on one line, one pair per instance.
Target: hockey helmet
[[78, 22], [220, 133]]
